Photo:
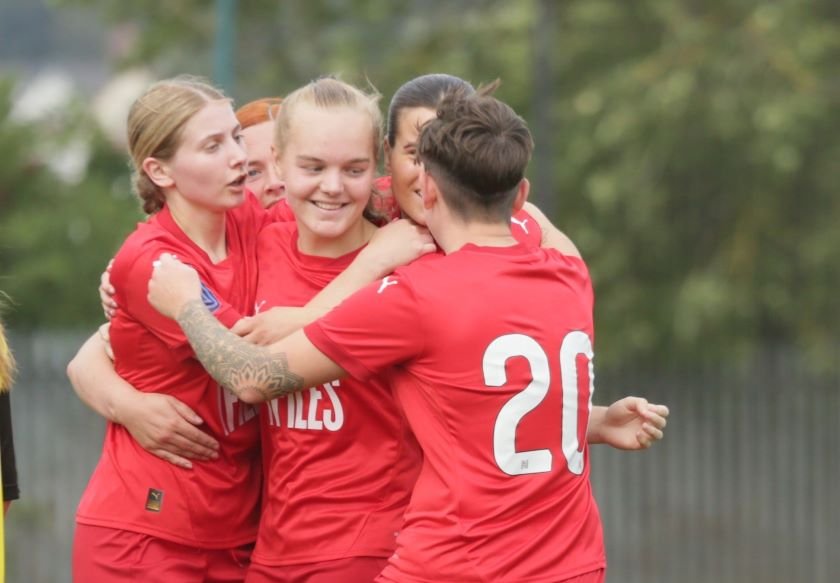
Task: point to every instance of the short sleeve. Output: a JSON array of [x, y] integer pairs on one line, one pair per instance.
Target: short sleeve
[[374, 329], [131, 280]]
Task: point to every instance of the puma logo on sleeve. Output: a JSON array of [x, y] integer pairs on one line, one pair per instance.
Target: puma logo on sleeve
[[385, 283]]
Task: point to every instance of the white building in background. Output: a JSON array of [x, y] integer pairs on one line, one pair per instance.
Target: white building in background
[[51, 95], [110, 106], [45, 99]]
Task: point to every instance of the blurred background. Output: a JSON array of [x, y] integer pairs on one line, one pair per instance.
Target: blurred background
[[690, 149]]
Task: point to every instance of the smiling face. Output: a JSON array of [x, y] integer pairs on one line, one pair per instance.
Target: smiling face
[[207, 170], [401, 160], [263, 175], [328, 164]]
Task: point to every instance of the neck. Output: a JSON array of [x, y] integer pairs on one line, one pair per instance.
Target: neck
[[357, 236], [454, 234], [204, 227]]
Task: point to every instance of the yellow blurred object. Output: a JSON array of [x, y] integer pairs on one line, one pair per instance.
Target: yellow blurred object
[[7, 367], [7, 362]]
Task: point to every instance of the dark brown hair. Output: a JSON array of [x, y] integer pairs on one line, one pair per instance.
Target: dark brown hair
[[477, 150], [425, 91]]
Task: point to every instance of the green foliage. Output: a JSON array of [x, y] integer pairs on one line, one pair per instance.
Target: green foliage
[[695, 173], [687, 148], [56, 238]]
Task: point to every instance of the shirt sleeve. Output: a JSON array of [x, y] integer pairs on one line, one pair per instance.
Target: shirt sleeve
[[7, 450], [375, 329], [132, 283]]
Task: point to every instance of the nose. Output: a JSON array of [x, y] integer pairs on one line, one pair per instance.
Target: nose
[[331, 182], [238, 155], [274, 185]]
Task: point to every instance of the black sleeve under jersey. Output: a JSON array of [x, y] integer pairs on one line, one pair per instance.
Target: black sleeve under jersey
[[7, 455]]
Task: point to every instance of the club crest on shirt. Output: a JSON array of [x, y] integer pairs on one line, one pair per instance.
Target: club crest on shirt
[[209, 299], [154, 500]]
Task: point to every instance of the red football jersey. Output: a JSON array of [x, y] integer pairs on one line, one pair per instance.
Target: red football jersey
[[214, 505], [339, 459], [490, 355], [280, 212]]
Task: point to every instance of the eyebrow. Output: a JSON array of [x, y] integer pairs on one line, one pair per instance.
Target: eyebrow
[[315, 159], [217, 135]]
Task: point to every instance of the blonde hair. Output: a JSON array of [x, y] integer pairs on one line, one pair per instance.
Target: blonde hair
[[328, 93], [7, 362], [156, 122]]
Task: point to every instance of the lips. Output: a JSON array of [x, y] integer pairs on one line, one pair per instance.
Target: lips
[[328, 206], [239, 181]]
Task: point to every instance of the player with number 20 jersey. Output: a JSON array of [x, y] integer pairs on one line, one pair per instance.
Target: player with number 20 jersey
[[499, 404]]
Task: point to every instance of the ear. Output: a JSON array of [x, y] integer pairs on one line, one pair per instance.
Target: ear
[[431, 192], [521, 194], [157, 172]]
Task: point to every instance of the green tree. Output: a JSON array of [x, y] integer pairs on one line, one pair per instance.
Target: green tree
[[694, 166], [56, 238], [687, 148]]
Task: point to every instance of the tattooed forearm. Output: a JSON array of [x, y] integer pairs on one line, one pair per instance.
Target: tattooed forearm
[[237, 365]]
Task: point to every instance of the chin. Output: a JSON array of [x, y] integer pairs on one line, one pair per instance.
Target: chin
[[322, 228]]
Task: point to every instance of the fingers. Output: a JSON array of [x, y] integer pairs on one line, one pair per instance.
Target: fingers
[[652, 431], [191, 445], [644, 440], [186, 412], [244, 326], [649, 434], [660, 410], [656, 415], [652, 412], [253, 337], [104, 332], [190, 438], [106, 293], [164, 259], [173, 459], [180, 440]]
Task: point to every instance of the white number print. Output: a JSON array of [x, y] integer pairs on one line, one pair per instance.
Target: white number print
[[499, 351]]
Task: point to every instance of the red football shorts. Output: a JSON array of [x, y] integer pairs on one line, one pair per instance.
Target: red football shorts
[[598, 576], [113, 555], [355, 570]]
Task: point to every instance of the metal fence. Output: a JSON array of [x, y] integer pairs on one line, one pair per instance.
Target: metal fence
[[739, 491]]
